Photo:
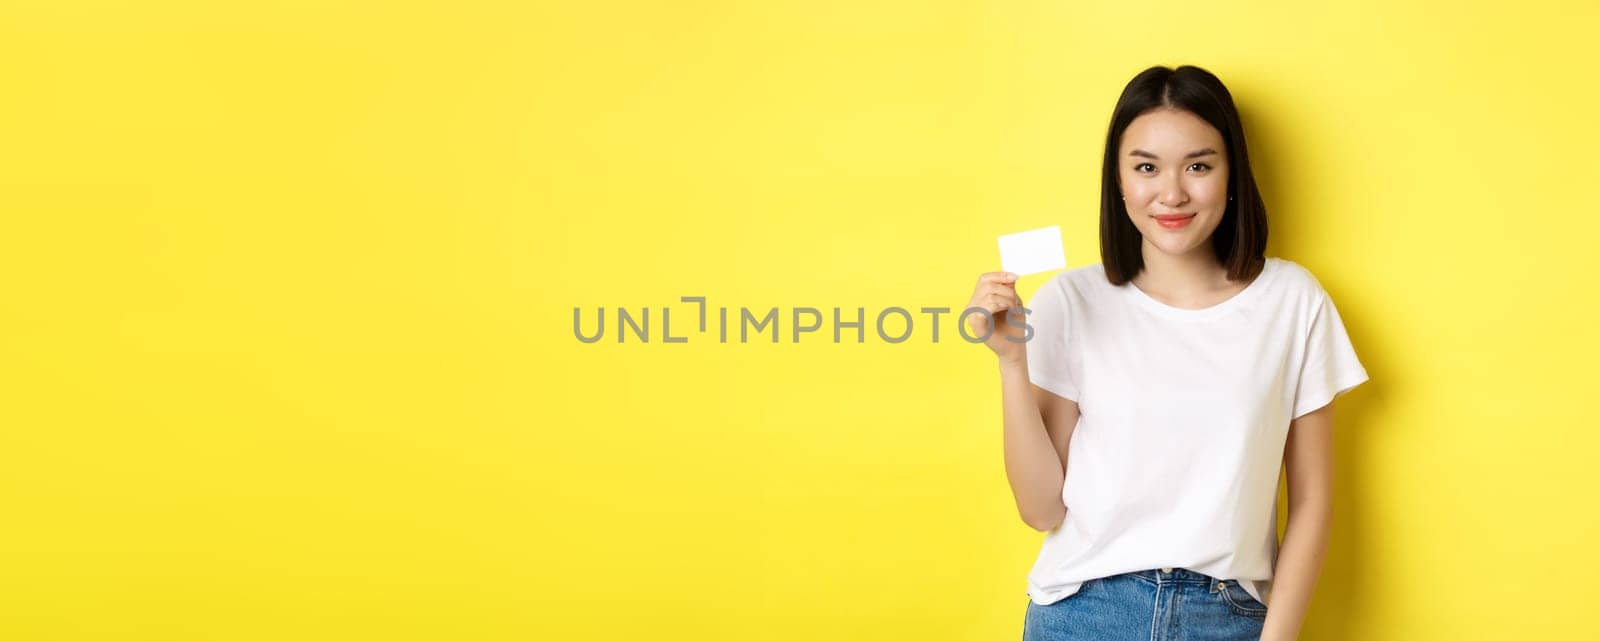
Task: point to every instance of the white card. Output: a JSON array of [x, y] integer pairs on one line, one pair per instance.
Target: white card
[[1032, 251]]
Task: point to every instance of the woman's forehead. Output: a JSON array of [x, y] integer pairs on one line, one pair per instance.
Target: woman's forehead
[[1172, 131]]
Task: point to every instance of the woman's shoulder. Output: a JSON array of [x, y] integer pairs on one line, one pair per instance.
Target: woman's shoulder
[[1071, 289], [1085, 281], [1295, 279]]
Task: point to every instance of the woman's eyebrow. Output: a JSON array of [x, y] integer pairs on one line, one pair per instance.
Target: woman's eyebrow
[[1193, 154]]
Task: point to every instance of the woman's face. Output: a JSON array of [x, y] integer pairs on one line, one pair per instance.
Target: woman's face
[[1173, 171]]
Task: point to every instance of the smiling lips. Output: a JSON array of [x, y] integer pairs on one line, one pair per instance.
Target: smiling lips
[[1174, 221]]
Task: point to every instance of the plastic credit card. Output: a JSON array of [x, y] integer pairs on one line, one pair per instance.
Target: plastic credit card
[[1032, 251]]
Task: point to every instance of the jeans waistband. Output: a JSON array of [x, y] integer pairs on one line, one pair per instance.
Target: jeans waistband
[[1175, 575]]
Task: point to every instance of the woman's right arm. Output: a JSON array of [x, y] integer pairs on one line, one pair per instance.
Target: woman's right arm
[[1037, 423], [1038, 426]]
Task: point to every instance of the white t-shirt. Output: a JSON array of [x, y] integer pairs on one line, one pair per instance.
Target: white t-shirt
[[1178, 449]]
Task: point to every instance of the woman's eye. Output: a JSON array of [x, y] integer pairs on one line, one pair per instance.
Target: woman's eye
[[1140, 167], [1202, 165]]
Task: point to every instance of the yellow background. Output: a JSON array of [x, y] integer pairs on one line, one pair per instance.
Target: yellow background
[[287, 307]]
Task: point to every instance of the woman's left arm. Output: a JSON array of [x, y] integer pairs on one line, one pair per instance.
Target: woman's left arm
[[1308, 459]]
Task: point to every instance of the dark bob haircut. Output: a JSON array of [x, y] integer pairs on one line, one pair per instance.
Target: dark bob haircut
[[1240, 240]]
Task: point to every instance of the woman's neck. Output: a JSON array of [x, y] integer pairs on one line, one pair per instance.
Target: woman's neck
[[1194, 280]]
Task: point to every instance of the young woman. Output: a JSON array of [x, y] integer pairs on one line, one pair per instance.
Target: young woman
[[1162, 392]]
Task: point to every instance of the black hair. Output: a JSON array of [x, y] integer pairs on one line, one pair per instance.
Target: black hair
[[1240, 240]]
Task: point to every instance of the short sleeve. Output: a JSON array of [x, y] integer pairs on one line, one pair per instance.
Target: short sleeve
[[1049, 316], [1329, 366]]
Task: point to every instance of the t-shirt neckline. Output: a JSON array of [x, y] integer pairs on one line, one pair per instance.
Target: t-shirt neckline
[[1268, 268]]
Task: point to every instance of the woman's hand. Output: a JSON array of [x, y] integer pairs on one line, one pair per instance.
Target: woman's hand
[[997, 293]]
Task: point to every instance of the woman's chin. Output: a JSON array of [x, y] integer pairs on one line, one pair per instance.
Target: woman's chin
[[1175, 246]]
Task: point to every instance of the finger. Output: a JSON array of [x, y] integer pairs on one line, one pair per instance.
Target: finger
[[998, 277], [1006, 294], [978, 322], [1012, 302], [1001, 289]]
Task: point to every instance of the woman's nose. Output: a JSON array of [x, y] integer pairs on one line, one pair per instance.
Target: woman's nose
[[1173, 196]]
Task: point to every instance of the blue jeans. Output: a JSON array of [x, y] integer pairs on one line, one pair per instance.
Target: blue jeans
[[1149, 605]]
